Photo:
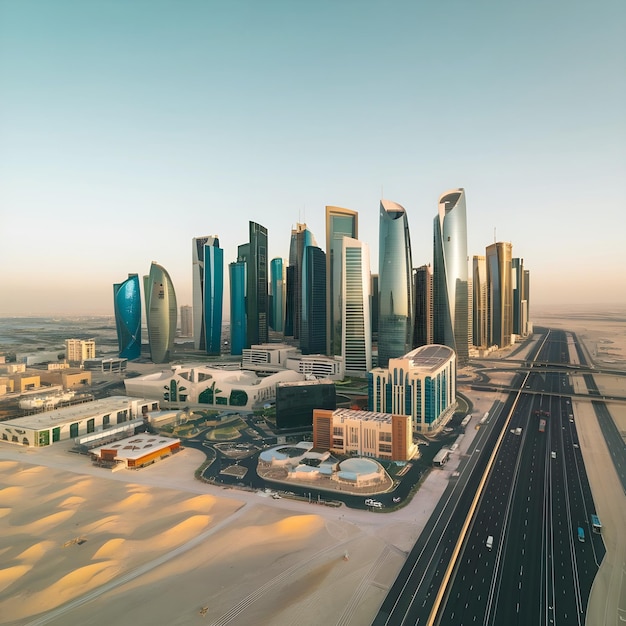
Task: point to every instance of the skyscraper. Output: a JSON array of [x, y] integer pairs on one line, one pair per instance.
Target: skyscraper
[[340, 223], [256, 285], [208, 293], [237, 274], [127, 308], [301, 237], [423, 318], [395, 286], [313, 319], [277, 295], [161, 313], [479, 301], [186, 321], [356, 336], [520, 297], [499, 294], [450, 291]]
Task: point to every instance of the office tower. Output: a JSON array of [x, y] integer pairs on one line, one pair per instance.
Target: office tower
[[255, 256], [290, 273], [313, 319], [77, 350], [356, 336], [450, 297], [161, 313], [237, 275], [340, 223], [127, 309], [520, 297], [277, 294], [374, 306], [526, 300], [423, 317], [208, 293], [301, 237], [479, 302], [186, 321], [499, 294], [395, 291]]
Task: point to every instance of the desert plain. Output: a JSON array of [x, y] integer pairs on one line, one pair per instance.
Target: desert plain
[[82, 545]]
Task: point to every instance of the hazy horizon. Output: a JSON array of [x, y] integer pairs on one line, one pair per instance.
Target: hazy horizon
[[127, 129]]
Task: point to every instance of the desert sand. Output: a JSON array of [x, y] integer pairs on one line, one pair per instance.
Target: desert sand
[[82, 545]]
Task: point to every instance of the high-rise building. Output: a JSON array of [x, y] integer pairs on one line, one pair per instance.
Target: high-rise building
[[479, 301], [255, 256], [499, 294], [374, 306], [127, 309], [277, 294], [395, 286], [208, 293], [520, 297], [186, 321], [356, 335], [423, 317], [237, 274], [421, 384], [313, 318], [161, 313], [78, 350], [301, 237], [340, 223], [450, 290]]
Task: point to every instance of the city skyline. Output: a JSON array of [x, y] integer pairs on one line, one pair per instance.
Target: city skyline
[[127, 129]]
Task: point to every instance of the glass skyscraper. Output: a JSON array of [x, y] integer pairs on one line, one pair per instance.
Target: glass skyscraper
[[237, 272], [161, 313], [450, 275], [395, 284], [356, 336], [313, 319], [340, 223], [479, 301], [208, 293], [256, 288], [127, 309], [277, 297], [423, 295]]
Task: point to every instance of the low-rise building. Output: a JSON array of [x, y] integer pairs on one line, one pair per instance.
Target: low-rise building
[[137, 451], [71, 422], [295, 402], [77, 350], [364, 433]]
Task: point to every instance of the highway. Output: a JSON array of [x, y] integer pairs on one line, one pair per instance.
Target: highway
[[534, 499]]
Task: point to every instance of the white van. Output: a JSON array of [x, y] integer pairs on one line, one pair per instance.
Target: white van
[[553, 454], [489, 542]]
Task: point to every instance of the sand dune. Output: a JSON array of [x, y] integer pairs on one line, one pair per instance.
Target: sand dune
[[110, 524], [12, 495], [9, 575], [6, 466], [134, 501], [112, 548], [36, 551], [42, 525], [4, 511], [198, 503], [181, 533], [72, 501]]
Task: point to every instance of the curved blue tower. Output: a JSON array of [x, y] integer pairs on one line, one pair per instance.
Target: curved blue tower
[[127, 308]]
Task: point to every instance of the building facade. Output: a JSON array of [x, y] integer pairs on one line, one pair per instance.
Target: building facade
[[313, 315], [479, 301], [278, 294], [364, 433], [127, 309], [186, 321], [296, 401], [208, 293], [356, 327], [450, 289], [78, 350], [340, 223], [256, 288], [519, 281], [238, 328], [421, 384], [499, 294], [161, 313], [423, 316], [395, 286]]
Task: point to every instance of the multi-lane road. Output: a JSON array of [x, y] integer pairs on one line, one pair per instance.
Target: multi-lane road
[[535, 496]]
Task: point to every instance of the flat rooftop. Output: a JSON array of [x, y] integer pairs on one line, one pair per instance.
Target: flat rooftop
[[136, 446], [75, 412], [430, 357]]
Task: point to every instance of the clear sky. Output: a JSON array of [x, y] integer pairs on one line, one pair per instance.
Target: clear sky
[[129, 127]]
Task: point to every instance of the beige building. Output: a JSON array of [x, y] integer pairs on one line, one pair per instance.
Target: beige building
[[68, 378], [77, 350], [364, 433]]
